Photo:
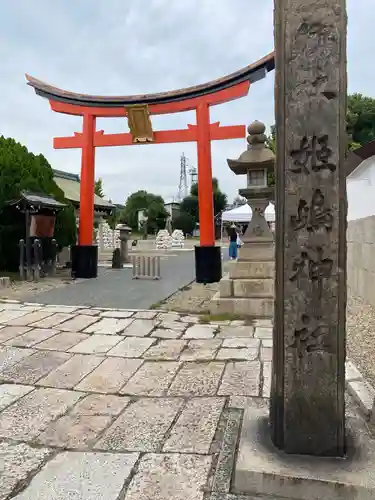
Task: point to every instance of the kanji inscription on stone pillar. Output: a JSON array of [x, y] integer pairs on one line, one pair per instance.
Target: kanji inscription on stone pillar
[[307, 402]]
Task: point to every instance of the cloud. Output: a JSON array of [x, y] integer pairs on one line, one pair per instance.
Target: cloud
[[117, 47]]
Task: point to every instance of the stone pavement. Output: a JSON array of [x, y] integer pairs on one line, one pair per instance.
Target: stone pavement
[[120, 404], [110, 404], [116, 288]]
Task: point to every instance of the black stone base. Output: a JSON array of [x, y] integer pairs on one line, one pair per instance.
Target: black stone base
[[84, 261], [208, 264]]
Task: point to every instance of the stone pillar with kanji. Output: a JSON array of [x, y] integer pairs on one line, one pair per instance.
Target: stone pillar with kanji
[[307, 413]]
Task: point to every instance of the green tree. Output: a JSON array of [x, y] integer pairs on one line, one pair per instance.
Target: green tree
[[99, 188], [21, 170], [360, 120], [189, 205], [151, 204], [220, 198], [185, 222]]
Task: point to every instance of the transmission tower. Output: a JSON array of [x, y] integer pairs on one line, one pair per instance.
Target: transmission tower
[[193, 175], [183, 185]]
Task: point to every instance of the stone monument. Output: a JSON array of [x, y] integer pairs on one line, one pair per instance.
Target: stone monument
[[125, 233], [248, 288], [308, 381]]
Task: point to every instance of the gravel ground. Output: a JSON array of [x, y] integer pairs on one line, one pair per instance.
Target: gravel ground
[[361, 336], [194, 298], [19, 289]]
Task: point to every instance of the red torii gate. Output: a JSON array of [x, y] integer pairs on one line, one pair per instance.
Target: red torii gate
[[138, 109]]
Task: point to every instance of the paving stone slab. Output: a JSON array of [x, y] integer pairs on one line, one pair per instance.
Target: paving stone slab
[[30, 369], [364, 394], [116, 314], [74, 431], [110, 376], [28, 319], [17, 462], [53, 321], [31, 414], [166, 333], [267, 343], [351, 371], [142, 426], [96, 344], [78, 323], [225, 464], [100, 404], [145, 315], [263, 333], [197, 379], [9, 356], [9, 332], [152, 379], [140, 328], [241, 378], [243, 402], [9, 393], [69, 374], [90, 312], [266, 354], [236, 332], [200, 332], [32, 337], [241, 353], [58, 308], [131, 347], [200, 350], [242, 342], [168, 317], [195, 428], [165, 350], [178, 326], [11, 314], [170, 477], [62, 341], [81, 476], [189, 319], [267, 376], [109, 326], [263, 323]]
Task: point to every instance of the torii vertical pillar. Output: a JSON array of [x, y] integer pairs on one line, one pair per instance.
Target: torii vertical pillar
[[207, 255], [85, 255]]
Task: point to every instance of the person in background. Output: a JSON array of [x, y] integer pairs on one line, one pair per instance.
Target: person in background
[[233, 247]]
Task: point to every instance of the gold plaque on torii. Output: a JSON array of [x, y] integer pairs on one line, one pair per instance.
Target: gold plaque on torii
[[140, 123]]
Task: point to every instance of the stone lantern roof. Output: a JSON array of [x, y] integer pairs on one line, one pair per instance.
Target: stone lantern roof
[[257, 156]]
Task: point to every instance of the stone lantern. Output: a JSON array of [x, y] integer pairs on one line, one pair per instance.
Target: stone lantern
[[248, 288], [125, 233], [256, 163]]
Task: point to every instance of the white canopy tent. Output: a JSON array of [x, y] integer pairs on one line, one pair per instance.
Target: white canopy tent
[[244, 214]]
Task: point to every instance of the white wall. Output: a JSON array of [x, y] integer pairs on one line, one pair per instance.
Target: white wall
[[360, 186]]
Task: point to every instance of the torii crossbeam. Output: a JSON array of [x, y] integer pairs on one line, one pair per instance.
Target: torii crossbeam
[[139, 109]]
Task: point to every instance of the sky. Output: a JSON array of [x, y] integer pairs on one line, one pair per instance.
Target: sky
[[122, 47]]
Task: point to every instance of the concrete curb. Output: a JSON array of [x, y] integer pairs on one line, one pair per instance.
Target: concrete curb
[[356, 384]]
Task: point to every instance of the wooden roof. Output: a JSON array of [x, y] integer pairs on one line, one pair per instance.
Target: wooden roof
[[251, 73]]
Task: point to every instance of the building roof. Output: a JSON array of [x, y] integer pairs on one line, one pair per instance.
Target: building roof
[[37, 202], [356, 157], [251, 73], [70, 185]]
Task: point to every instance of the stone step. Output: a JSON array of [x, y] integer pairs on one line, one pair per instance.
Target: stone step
[[256, 307], [252, 269], [253, 287], [257, 252]]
